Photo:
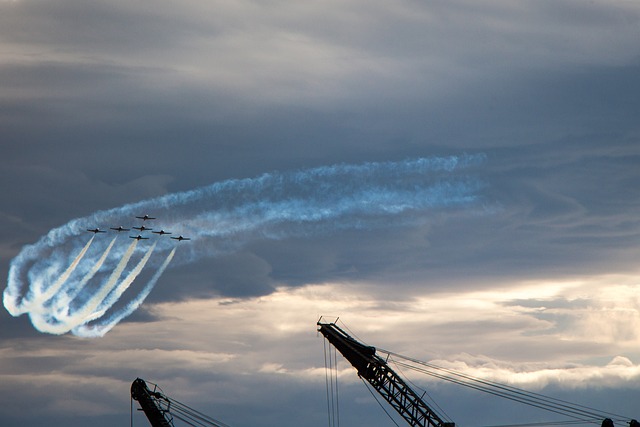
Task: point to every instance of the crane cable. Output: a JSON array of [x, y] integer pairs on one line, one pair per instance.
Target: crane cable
[[331, 380], [178, 410], [192, 416], [541, 424], [514, 393], [579, 412], [440, 415], [377, 399], [503, 395], [436, 408]]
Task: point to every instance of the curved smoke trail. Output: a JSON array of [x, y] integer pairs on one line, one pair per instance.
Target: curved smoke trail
[[104, 326], [114, 295], [86, 313], [63, 322], [221, 218], [61, 303], [63, 278]]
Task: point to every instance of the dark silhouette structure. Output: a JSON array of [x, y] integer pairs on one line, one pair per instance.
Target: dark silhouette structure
[[382, 378], [152, 403]]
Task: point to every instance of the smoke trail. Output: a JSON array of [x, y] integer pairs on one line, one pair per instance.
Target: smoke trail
[[86, 310], [225, 216], [62, 302], [102, 328], [46, 314], [116, 293], [63, 278], [64, 322]]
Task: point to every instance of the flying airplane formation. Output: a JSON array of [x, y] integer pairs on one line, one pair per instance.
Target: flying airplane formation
[[142, 228]]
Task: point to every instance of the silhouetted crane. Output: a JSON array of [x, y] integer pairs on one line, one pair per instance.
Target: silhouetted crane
[[382, 378], [153, 403], [161, 410]]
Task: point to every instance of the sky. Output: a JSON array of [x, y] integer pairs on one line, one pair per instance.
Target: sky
[[457, 182]]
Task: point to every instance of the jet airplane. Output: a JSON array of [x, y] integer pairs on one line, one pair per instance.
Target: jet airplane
[[142, 228], [96, 230], [138, 237], [180, 238], [161, 232], [145, 217], [120, 228]]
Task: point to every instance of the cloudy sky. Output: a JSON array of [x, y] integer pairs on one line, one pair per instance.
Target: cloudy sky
[[521, 267]]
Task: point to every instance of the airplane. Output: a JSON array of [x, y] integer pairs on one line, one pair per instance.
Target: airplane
[[96, 230], [120, 228], [180, 238], [142, 228], [161, 232], [138, 237], [145, 217]]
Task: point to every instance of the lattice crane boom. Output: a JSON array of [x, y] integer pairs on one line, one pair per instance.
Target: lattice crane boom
[[382, 378]]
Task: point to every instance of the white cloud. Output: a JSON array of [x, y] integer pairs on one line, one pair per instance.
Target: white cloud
[[529, 334], [275, 333]]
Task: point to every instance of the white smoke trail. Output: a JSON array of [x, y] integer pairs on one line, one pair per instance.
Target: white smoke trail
[[63, 322], [225, 216], [102, 328], [36, 297], [86, 311], [48, 319], [64, 276], [61, 304], [116, 293]]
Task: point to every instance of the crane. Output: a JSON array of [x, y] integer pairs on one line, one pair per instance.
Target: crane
[[153, 402], [375, 370], [382, 378], [161, 409]]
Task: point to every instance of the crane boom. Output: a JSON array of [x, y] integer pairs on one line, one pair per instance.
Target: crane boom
[[382, 378], [150, 403]]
